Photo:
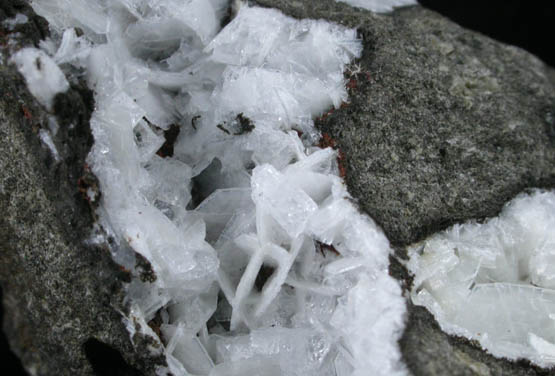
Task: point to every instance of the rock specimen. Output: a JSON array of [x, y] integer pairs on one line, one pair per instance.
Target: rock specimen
[[435, 133]]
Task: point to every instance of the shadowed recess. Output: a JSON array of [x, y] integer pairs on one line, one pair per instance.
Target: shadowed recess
[[107, 361]]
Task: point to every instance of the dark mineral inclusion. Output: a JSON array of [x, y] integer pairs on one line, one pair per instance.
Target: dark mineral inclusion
[[443, 125]]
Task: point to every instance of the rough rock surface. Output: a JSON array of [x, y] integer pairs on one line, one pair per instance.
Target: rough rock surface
[[61, 297], [444, 125]]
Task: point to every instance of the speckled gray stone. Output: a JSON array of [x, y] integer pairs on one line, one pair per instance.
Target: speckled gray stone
[[61, 297]]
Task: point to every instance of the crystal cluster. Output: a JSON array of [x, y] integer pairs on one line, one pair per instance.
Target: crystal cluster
[[264, 265], [43, 76], [495, 282]]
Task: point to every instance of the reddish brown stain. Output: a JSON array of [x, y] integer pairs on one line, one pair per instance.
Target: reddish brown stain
[[26, 113], [352, 84]]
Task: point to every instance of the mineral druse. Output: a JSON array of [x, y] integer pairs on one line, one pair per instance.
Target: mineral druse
[[495, 282], [205, 151], [263, 264]]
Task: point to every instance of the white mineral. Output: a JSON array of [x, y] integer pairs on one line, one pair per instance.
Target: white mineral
[[379, 6], [264, 265], [46, 139], [43, 76], [495, 282], [19, 19]]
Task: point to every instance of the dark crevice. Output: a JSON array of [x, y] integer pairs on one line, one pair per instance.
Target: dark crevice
[[220, 320], [202, 185], [9, 359], [228, 15], [263, 276], [107, 361], [170, 136]]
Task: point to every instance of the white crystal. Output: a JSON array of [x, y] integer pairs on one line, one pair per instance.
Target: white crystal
[[294, 351], [171, 180], [19, 19], [88, 15], [186, 347], [73, 49], [379, 6], [275, 196], [46, 139], [43, 77], [465, 274], [219, 208]]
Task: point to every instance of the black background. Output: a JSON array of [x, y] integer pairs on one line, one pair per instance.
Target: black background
[[527, 24]]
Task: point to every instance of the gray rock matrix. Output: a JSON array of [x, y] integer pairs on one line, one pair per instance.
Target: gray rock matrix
[[443, 125]]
